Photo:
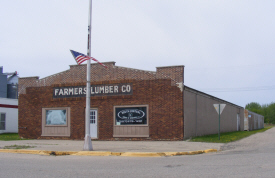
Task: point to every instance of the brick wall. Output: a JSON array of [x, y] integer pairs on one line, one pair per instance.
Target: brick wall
[[156, 89], [77, 74], [164, 100]]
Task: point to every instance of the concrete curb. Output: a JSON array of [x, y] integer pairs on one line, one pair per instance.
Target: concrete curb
[[106, 153]]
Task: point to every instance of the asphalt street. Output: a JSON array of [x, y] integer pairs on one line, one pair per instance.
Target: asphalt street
[[250, 157]]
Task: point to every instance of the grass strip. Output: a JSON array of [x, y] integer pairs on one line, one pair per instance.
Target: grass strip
[[228, 136], [18, 147], [10, 136]]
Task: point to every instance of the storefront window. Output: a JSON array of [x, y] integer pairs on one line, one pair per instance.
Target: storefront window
[[56, 122], [56, 117], [131, 115]]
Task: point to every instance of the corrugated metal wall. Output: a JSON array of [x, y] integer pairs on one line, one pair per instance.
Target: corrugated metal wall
[[201, 118], [3, 84], [253, 120]]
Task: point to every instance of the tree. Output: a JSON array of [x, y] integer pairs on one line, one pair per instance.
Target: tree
[[271, 113], [254, 107], [264, 113], [267, 110]]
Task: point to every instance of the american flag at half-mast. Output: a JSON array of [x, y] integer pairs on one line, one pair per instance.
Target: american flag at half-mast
[[79, 58]]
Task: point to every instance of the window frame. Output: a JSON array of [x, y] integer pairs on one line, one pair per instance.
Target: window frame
[[44, 117], [4, 120], [131, 106], [56, 130]]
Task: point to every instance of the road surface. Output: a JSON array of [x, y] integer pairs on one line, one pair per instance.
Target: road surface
[[251, 157]]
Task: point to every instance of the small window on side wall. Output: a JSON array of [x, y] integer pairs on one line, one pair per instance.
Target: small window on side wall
[[2, 121]]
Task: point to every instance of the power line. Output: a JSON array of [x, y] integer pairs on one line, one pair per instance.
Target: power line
[[229, 67], [259, 88]]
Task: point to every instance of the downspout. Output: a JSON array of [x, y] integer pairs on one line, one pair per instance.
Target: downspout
[[182, 88]]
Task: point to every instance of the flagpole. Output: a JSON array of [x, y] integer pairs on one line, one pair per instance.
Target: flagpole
[[88, 143]]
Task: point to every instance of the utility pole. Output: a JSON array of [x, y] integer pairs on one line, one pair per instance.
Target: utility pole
[[88, 143]]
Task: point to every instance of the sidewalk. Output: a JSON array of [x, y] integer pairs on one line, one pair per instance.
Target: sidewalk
[[118, 148]]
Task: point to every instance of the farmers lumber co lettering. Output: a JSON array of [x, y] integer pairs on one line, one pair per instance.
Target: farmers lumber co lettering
[[96, 90]]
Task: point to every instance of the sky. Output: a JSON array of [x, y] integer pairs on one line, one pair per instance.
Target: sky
[[226, 46]]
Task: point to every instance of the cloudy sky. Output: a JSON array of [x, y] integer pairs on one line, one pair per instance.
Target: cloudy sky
[[226, 46]]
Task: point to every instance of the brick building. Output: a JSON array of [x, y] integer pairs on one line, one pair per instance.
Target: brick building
[[126, 104]]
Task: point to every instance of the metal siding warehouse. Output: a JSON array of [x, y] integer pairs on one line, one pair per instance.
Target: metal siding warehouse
[[253, 121], [200, 117]]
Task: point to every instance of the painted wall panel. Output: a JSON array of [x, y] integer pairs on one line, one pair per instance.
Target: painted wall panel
[[11, 115]]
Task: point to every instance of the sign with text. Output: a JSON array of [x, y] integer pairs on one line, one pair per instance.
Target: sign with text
[[131, 116], [96, 90]]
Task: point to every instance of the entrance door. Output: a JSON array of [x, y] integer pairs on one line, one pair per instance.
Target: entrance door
[[93, 123]]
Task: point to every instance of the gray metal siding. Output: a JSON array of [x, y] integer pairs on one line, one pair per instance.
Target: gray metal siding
[[201, 118], [255, 121], [3, 86], [190, 115], [12, 91]]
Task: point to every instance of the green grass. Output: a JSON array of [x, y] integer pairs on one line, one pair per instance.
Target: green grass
[[18, 147], [10, 136], [227, 137]]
